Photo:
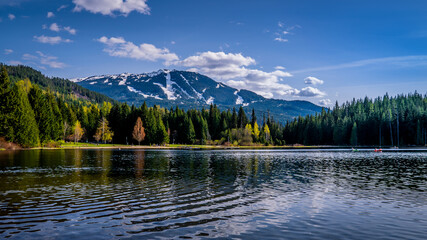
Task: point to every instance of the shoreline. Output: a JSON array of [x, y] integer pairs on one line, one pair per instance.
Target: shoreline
[[223, 147]]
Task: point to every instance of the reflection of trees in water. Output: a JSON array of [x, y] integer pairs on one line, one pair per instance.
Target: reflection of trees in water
[[139, 163]]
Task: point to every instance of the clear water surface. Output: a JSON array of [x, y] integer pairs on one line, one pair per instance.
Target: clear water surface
[[226, 194]]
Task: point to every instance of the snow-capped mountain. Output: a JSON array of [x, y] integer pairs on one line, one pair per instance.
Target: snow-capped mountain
[[188, 89]]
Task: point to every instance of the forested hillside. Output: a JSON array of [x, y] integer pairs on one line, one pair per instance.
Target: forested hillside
[[63, 86], [31, 117], [390, 121]]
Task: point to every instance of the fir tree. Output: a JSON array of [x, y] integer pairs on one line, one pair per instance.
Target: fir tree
[[25, 130], [6, 108]]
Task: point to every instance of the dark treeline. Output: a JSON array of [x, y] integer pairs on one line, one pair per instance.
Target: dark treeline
[[389, 121], [31, 116]]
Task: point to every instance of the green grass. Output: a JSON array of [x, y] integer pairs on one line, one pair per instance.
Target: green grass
[[80, 144]]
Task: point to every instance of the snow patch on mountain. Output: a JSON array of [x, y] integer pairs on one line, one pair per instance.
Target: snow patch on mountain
[[210, 100], [142, 94], [199, 95], [239, 99]]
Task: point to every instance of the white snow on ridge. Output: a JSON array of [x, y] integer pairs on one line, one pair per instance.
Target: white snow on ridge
[[123, 81], [239, 99], [210, 100], [199, 95], [168, 89], [144, 95], [92, 83]]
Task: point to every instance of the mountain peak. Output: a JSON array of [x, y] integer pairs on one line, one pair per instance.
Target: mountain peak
[[167, 87]]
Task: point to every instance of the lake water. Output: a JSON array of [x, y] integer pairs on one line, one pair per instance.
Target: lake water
[[178, 194]]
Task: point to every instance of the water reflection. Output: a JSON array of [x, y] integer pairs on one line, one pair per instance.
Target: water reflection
[[232, 194]]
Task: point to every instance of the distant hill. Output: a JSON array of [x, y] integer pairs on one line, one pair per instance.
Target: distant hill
[[169, 88], [60, 85]]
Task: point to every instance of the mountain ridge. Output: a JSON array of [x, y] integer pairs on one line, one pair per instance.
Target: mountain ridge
[[169, 88]]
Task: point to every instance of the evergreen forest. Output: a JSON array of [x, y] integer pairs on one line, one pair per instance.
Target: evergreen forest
[[33, 114]]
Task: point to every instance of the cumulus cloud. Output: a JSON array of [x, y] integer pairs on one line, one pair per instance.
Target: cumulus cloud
[[51, 40], [54, 27], [44, 60], [50, 15], [233, 69], [325, 102], [119, 47], [109, 7], [313, 81], [11, 16], [311, 92], [8, 51], [70, 30], [279, 68]]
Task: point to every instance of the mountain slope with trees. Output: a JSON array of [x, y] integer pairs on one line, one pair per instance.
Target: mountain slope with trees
[[62, 86]]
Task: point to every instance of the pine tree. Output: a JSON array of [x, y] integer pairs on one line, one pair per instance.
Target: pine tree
[[5, 107], [162, 135], [24, 125], [242, 120], [189, 132], [353, 137], [253, 120], [138, 131]]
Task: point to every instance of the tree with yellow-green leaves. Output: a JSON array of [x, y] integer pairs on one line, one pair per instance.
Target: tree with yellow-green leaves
[[103, 132], [78, 132]]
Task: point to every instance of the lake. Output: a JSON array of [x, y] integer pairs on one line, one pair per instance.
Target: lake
[[239, 194]]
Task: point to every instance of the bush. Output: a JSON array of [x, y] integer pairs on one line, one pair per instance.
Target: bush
[[52, 144]]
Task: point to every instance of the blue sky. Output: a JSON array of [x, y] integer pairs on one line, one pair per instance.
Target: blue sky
[[321, 51]]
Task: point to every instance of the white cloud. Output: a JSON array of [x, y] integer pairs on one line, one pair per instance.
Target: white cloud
[[28, 56], [219, 64], [50, 15], [313, 81], [325, 102], [119, 47], [279, 68], [232, 69], [11, 16], [55, 27], [44, 60], [8, 51], [311, 92], [109, 7], [70, 30], [51, 40], [280, 39], [280, 24], [61, 7]]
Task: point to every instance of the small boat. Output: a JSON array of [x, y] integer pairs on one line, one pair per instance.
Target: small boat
[[378, 150], [354, 149]]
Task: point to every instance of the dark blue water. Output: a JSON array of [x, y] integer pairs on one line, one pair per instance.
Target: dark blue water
[[137, 194]]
